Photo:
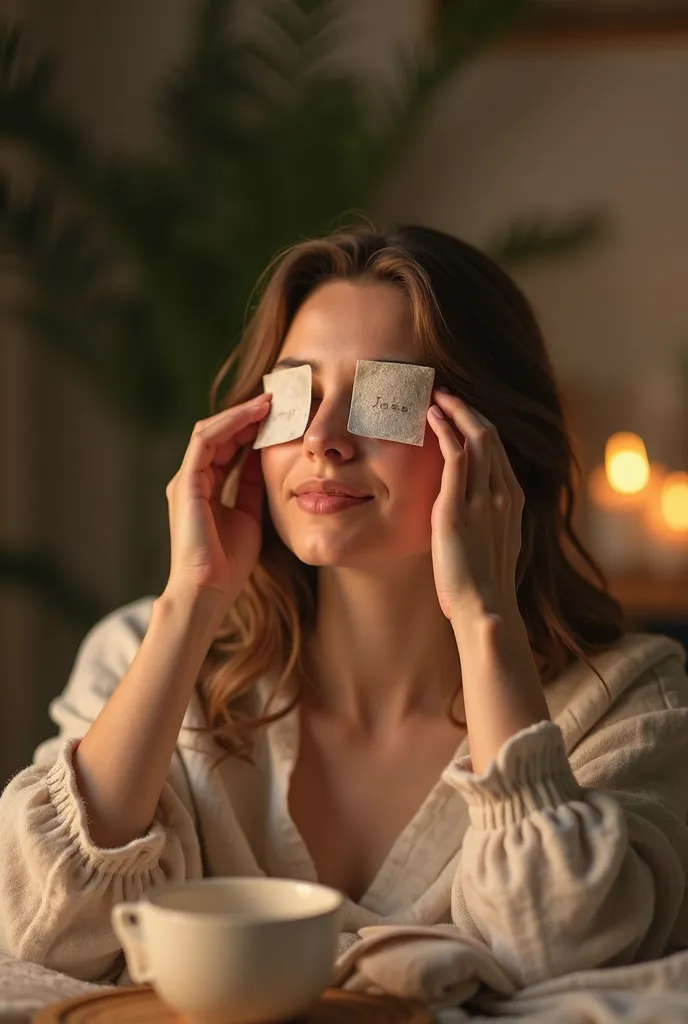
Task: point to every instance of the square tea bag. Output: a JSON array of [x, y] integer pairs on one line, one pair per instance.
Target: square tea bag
[[289, 408], [391, 400]]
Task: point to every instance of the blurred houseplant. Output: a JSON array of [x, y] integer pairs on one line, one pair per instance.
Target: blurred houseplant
[[139, 270]]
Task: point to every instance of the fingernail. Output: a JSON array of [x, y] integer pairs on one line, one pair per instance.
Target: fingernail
[[445, 390]]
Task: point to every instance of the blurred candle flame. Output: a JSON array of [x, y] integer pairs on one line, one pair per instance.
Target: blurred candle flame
[[626, 464], [674, 501]]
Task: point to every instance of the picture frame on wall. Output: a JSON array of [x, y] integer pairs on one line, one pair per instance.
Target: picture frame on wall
[[555, 21]]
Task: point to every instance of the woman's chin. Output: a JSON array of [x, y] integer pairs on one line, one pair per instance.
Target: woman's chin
[[323, 553], [327, 548], [320, 540]]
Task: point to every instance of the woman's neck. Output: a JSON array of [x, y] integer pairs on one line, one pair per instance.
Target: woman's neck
[[382, 650]]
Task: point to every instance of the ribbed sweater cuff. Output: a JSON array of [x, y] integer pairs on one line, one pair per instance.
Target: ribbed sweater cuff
[[71, 820], [530, 772]]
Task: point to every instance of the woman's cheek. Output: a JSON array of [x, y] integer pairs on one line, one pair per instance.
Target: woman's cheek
[[432, 461], [267, 465], [423, 465], [414, 476], [275, 468]]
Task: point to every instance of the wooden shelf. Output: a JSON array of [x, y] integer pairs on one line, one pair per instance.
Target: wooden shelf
[[647, 597], [668, 28], [649, 27]]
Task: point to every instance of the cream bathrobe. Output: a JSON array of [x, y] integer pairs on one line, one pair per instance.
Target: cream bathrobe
[[568, 853]]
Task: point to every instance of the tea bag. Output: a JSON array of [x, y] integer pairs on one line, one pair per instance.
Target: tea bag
[[391, 400], [289, 408]]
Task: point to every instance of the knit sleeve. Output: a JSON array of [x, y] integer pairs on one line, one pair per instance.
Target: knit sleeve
[[57, 887], [580, 862]]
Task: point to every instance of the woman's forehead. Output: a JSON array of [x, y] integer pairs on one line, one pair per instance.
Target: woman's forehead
[[346, 321]]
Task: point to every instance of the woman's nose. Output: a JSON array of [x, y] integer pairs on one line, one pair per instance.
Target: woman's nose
[[327, 430]]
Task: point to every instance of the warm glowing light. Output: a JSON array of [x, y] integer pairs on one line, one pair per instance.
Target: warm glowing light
[[674, 501], [626, 464]]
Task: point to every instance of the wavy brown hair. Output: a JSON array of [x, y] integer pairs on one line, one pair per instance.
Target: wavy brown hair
[[476, 328]]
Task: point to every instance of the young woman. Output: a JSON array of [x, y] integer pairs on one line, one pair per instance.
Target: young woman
[[425, 699]]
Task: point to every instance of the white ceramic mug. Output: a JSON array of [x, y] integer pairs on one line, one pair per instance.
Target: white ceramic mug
[[233, 950]]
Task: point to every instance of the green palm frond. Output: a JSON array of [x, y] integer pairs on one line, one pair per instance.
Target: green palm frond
[[463, 30], [29, 117], [529, 240], [74, 304]]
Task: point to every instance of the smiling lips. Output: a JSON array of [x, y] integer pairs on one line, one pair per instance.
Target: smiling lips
[[327, 486], [319, 503]]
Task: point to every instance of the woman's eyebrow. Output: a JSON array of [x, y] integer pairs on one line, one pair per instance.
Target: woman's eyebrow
[[290, 361]]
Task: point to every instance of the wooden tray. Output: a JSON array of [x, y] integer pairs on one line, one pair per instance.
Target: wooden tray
[[140, 1005]]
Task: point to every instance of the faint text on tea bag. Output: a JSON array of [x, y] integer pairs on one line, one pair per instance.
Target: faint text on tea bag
[[289, 408], [391, 400]]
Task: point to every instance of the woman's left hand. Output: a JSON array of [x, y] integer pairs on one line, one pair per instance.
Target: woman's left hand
[[476, 518]]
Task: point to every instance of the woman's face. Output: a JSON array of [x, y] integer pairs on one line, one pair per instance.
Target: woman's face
[[338, 324]]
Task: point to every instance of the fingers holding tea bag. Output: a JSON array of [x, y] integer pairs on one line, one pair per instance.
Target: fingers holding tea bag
[[391, 400], [290, 406]]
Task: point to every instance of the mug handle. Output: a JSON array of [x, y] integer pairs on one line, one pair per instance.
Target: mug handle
[[126, 922]]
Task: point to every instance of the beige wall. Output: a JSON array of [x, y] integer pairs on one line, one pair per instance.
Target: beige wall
[[547, 132]]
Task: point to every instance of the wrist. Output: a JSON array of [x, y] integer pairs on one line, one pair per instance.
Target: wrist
[[193, 610], [479, 609]]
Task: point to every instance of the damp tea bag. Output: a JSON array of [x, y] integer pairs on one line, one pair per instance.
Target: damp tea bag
[[391, 400], [289, 408]]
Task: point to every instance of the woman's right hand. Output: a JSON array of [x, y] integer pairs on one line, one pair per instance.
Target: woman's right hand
[[215, 548]]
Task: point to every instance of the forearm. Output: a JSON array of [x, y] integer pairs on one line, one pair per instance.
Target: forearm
[[122, 762], [501, 685]]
